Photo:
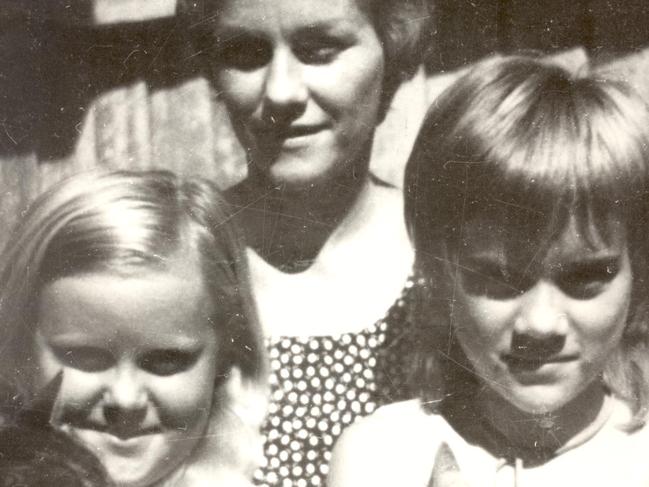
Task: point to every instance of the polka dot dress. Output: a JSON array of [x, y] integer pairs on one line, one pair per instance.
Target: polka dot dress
[[322, 384]]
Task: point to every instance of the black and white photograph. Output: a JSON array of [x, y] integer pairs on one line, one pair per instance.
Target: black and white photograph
[[324, 243]]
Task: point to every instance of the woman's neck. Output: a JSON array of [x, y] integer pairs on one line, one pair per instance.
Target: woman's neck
[[288, 228], [545, 433]]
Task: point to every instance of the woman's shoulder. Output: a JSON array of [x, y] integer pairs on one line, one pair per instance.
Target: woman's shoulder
[[401, 434]]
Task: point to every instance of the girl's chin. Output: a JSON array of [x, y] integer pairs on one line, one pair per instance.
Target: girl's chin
[[563, 400], [534, 401], [138, 461]]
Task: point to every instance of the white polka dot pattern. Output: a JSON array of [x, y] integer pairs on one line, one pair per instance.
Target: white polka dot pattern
[[322, 384]]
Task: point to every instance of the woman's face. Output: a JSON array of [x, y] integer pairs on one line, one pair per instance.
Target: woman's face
[[302, 81], [538, 329], [139, 360]]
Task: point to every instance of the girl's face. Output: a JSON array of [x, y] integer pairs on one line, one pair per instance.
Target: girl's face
[[139, 360], [538, 329], [302, 81]]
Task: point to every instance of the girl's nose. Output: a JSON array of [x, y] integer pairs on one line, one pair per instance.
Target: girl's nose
[[285, 90], [125, 403], [126, 391], [542, 313]]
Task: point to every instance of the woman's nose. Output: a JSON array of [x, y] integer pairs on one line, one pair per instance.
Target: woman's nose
[[542, 312], [285, 90]]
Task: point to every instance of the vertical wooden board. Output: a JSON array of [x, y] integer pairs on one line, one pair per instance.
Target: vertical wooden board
[[230, 160], [85, 151], [466, 30], [547, 26], [180, 129], [110, 110], [138, 126], [19, 183]]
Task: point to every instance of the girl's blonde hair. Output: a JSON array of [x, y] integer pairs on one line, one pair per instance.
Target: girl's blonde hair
[[527, 137], [125, 223]]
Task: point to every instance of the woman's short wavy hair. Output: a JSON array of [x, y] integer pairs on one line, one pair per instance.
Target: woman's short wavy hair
[[524, 135], [403, 27], [125, 223]]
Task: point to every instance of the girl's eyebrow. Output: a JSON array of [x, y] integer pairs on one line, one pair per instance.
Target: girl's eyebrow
[[587, 263], [161, 342], [71, 338]]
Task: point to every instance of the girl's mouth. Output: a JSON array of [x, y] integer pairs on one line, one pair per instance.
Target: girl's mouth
[[119, 432], [532, 363]]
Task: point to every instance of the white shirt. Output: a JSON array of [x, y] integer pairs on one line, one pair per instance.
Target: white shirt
[[397, 446]]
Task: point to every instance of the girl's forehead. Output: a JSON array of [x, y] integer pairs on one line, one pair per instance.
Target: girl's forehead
[[169, 305]]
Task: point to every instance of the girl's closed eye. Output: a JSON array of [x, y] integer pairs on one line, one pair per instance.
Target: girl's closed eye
[[84, 358], [585, 280], [165, 362]]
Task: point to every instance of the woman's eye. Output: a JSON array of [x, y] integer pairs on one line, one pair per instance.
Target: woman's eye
[[317, 52], [86, 359], [244, 54], [587, 281], [168, 362]]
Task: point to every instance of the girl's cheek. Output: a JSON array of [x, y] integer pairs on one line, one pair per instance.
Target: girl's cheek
[[77, 387], [185, 396], [46, 366], [485, 319], [81, 387]]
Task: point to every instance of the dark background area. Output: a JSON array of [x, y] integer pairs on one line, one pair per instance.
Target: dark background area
[[53, 60], [466, 30], [78, 92]]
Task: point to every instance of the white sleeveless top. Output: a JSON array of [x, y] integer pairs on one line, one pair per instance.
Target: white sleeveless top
[[398, 444]]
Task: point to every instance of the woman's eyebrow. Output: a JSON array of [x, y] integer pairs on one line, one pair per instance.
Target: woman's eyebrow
[[325, 26], [230, 31]]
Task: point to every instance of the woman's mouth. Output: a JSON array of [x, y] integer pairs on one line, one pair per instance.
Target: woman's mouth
[[300, 131], [282, 134]]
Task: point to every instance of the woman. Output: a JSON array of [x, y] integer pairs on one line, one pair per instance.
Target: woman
[[306, 83]]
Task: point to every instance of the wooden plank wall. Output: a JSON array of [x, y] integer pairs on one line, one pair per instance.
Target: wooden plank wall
[[82, 87]]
